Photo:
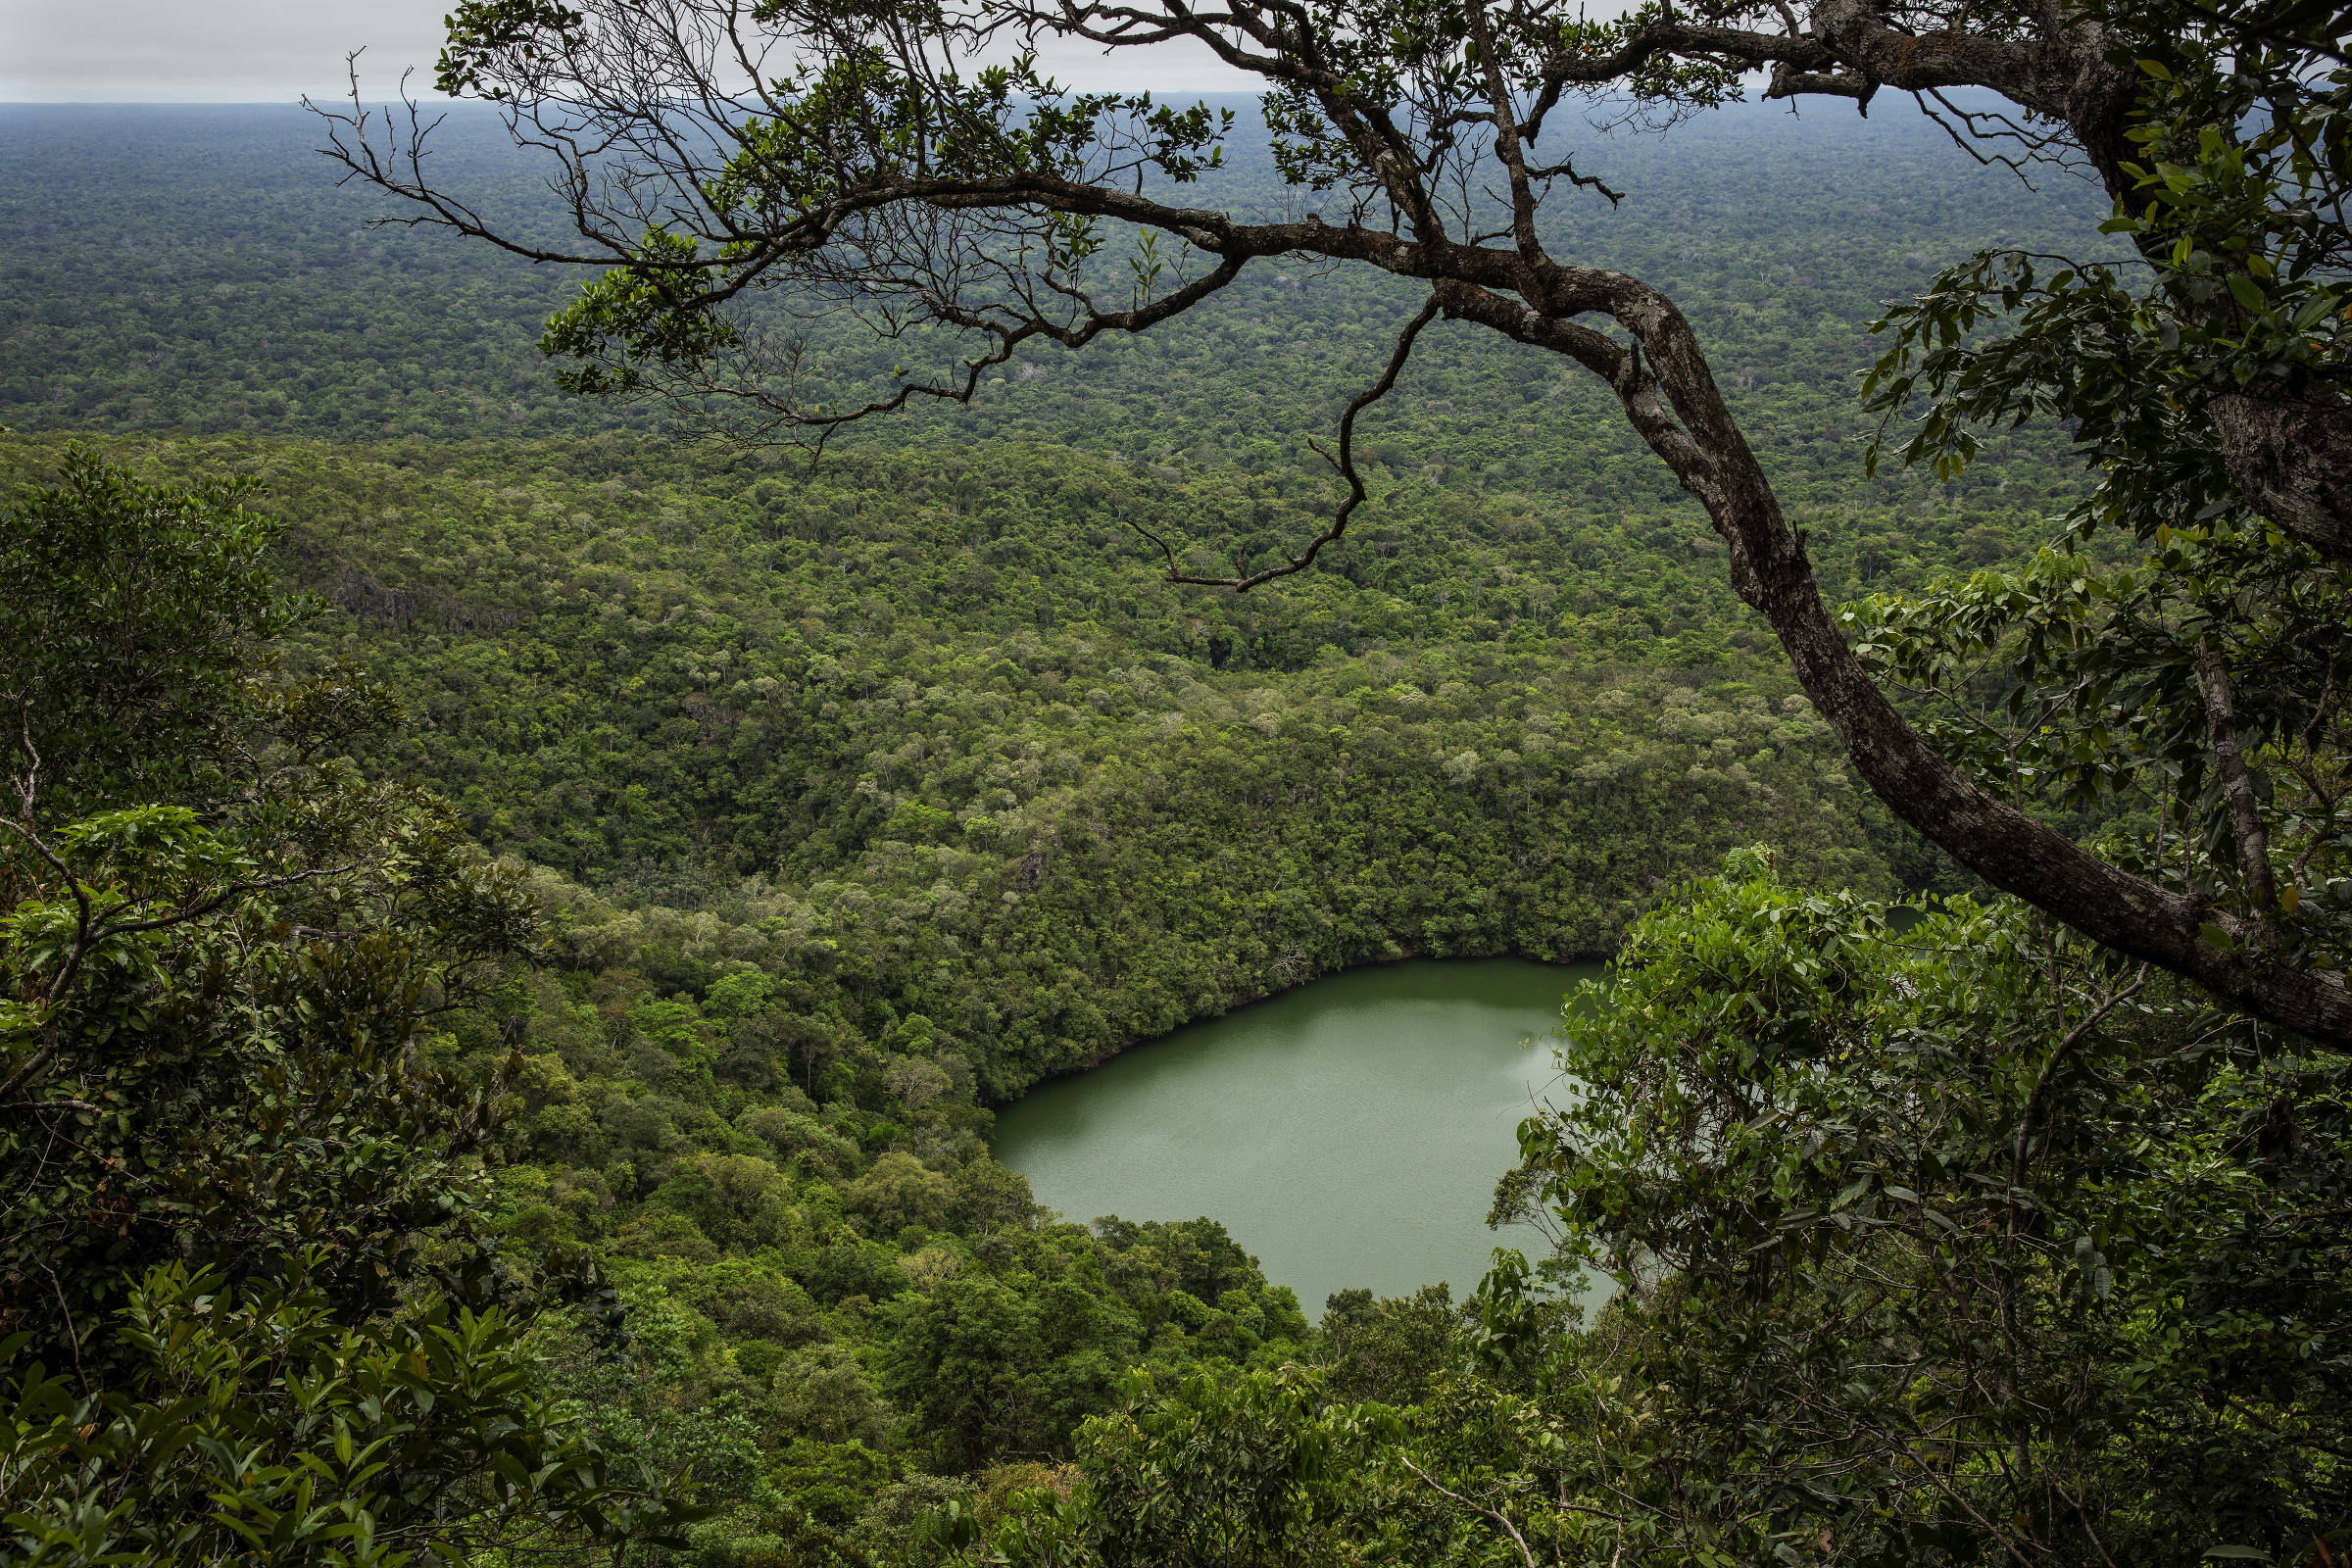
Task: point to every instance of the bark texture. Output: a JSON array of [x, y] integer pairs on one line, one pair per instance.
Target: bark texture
[[2293, 459]]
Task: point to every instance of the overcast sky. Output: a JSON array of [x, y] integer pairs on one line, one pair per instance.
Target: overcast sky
[[272, 51]]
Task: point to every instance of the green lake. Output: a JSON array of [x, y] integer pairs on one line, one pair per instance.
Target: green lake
[[1349, 1133]]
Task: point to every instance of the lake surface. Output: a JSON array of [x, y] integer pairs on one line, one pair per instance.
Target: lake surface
[[1348, 1132]]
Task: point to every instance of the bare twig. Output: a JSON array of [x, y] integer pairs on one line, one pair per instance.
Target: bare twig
[[1526, 1554], [1244, 579]]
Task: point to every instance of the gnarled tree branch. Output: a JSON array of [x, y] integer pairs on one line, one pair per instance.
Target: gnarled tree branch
[[854, 212]]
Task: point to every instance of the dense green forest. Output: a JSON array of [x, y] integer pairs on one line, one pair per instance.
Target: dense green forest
[[927, 723], [853, 802], [213, 278], [519, 921]]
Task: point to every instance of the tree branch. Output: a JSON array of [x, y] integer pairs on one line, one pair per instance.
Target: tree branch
[[2237, 783], [1244, 579], [1526, 1555], [1660, 377]]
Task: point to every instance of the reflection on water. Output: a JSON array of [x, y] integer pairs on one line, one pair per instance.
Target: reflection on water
[[1349, 1133]]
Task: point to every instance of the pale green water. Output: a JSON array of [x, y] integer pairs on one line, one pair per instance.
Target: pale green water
[[1349, 1133]]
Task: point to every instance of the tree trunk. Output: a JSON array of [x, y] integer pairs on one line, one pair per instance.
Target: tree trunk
[[2293, 460]]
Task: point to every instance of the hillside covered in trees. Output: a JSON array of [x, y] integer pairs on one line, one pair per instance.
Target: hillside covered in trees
[[933, 723]]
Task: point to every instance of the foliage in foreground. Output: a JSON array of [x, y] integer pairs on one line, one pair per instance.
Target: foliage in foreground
[[258, 1428], [1957, 1243], [250, 1312]]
